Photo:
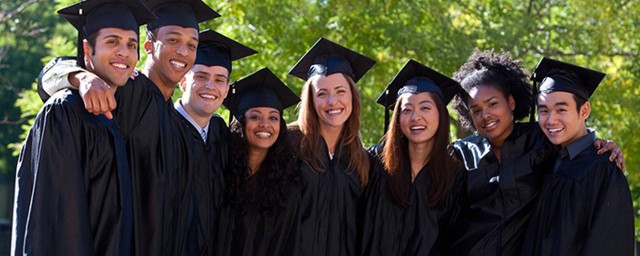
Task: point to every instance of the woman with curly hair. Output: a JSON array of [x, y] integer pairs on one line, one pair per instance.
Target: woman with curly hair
[[261, 213], [413, 200], [335, 165], [505, 159]]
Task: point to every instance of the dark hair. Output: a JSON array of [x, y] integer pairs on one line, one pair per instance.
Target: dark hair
[[278, 174], [91, 40], [151, 34], [497, 70], [440, 168]]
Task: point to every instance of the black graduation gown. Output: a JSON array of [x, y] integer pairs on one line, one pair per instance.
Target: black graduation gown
[[584, 208], [390, 229], [159, 152], [73, 185], [329, 206], [501, 195], [252, 233], [208, 184]]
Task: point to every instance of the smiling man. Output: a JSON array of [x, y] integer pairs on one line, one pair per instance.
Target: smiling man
[[73, 188], [158, 150], [585, 206]]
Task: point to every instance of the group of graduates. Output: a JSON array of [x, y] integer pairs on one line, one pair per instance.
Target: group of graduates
[[112, 166]]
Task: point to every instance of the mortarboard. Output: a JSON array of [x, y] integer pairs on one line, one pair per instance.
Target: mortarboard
[[260, 89], [90, 16], [415, 78], [326, 58], [214, 49], [183, 13], [560, 76]]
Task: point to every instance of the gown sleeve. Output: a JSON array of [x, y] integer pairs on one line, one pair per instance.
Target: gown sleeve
[[54, 76]]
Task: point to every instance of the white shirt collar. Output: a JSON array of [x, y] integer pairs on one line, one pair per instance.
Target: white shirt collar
[[183, 112]]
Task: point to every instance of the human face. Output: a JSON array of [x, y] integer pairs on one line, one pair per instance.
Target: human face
[[262, 127], [114, 56], [559, 119], [492, 113], [204, 88], [332, 100], [419, 117], [173, 53]]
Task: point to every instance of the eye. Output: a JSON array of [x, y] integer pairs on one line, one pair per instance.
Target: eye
[[172, 40], [341, 91], [221, 81], [254, 117], [193, 47], [201, 77], [493, 104], [543, 111], [321, 94], [274, 118], [133, 46], [111, 42], [425, 108], [562, 110], [405, 110]]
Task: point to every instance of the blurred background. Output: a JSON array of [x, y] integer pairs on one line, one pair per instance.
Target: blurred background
[[599, 34]]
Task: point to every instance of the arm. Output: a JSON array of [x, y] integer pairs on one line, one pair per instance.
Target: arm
[[63, 72]]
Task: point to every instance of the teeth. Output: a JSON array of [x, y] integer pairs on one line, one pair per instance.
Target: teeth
[[119, 65], [556, 130], [490, 124], [335, 111], [178, 64], [208, 96], [413, 128], [263, 134]]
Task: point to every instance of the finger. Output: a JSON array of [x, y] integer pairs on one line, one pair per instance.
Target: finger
[[111, 102], [614, 155], [598, 143], [88, 104], [108, 115], [104, 105]]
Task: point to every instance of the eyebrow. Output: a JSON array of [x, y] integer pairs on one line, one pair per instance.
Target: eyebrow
[[489, 99], [179, 34], [426, 101]]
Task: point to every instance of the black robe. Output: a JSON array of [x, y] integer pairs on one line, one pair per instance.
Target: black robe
[[245, 230], [209, 184], [391, 229], [501, 195], [73, 185], [329, 205], [162, 173], [584, 208]]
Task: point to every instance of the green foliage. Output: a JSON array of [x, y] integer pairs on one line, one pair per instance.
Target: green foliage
[[440, 34]]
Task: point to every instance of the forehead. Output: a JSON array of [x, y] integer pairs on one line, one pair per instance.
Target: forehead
[[262, 110], [177, 31], [485, 91], [415, 98], [213, 70], [330, 82], [106, 32], [552, 98]]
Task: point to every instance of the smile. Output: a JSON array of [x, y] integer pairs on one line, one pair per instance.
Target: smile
[[263, 134]]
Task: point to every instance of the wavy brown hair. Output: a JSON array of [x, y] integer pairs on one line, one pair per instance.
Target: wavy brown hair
[[440, 168], [349, 141]]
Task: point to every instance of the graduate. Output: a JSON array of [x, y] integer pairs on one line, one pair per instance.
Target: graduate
[[584, 206], [413, 199], [204, 88], [159, 150], [335, 165], [505, 159], [261, 213], [73, 185]]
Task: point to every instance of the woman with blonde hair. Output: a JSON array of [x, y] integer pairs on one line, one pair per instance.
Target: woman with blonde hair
[[334, 164]]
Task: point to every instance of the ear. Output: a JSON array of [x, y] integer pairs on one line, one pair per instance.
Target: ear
[[585, 110], [87, 51], [148, 46], [512, 103], [183, 84]]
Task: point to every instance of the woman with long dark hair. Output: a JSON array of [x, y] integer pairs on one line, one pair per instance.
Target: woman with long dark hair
[[334, 165], [412, 201], [261, 213]]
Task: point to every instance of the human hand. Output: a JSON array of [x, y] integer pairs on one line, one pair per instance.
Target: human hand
[[604, 146], [97, 95]]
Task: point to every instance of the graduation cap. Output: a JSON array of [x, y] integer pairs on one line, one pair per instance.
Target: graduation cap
[[560, 76], [183, 13], [88, 17], [415, 77], [326, 58], [214, 49], [260, 89]]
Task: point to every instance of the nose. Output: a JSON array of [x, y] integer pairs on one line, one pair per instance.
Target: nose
[[182, 50], [415, 116], [331, 99], [123, 50], [552, 118]]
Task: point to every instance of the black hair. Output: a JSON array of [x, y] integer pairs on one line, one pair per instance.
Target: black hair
[[493, 69]]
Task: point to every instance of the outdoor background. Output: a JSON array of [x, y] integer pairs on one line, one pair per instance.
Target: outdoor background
[[600, 34]]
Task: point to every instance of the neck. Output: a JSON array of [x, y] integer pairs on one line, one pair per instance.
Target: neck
[[255, 159], [419, 156], [496, 143], [330, 135], [165, 87], [200, 120]]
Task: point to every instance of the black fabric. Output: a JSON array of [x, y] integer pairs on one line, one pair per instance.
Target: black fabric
[[561, 76], [183, 13], [208, 182], [390, 229], [73, 186], [250, 230], [584, 208], [329, 204], [162, 163], [501, 195], [214, 49]]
